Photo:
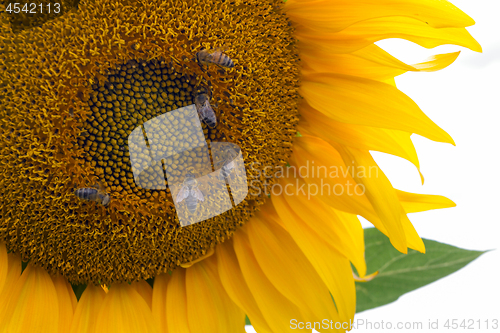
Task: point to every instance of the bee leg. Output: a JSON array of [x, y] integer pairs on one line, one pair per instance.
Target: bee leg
[[201, 67], [220, 67]]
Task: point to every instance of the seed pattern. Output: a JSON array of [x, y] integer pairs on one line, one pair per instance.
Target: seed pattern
[[73, 90], [133, 95]]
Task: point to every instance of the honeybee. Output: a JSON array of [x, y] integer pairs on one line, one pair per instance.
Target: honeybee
[[190, 192], [215, 57], [227, 164], [205, 111], [95, 193]]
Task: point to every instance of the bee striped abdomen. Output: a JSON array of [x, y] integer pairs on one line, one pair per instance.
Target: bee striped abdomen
[[223, 60], [92, 194], [87, 194], [205, 111], [218, 58]]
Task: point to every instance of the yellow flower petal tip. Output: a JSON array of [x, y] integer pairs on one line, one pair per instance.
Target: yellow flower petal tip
[[209, 253], [366, 278]]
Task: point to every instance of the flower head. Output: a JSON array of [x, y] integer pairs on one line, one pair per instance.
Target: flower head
[[308, 86]]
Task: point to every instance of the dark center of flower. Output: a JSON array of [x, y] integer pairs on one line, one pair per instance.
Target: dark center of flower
[[66, 136]]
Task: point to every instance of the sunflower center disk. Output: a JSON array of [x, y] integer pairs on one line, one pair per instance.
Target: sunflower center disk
[[126, 106], [97, 195]]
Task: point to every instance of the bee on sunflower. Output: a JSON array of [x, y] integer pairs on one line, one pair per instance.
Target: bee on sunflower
[[306, 83]]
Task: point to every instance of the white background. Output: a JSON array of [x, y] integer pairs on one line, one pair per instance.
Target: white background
[[464, 99]]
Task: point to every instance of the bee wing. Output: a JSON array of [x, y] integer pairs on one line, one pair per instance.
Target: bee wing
[[206, 112], [100, 187], [220, 49], [198, 194], [183, 194], [207, 105]]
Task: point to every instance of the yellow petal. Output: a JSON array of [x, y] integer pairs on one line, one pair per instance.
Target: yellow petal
[[159, 302], [66, 298], [333, 268], [13, 268], [4, 265], [357, 236], [339, 14], [390, 213], [366, 278], [413, 202], [233, 316], [177, 319], [332, 176], [280, 259], [370, 62], [437, 62], [72, 297], [344, 236], [366, 102], [406, 145], [390, 81], [380, 192], [275, 307], [87, 310], [362, 34], [145, 290], [392, 142], [413, 240], [209, 253], [236, 287], [124, 311], [32, 305], [209, 308]]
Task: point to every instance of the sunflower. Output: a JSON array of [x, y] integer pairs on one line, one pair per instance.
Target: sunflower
[[309, 96]]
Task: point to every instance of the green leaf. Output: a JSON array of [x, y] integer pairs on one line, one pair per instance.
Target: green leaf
[[400, 273], [247, 320]]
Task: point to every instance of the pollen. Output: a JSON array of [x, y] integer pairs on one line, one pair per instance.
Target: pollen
[[74, 89]]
